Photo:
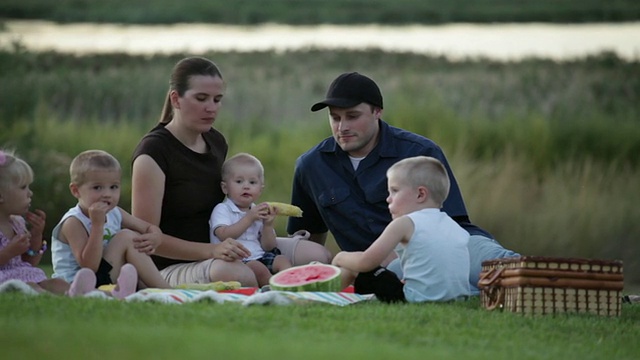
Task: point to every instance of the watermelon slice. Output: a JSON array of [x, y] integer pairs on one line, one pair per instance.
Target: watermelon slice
[[311, 277]]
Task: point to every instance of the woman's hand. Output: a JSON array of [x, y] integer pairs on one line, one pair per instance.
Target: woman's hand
[[147, 243], [230, 250], [301, 234]]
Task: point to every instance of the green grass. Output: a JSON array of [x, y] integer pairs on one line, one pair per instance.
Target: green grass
[[56, 328], [322, 11]]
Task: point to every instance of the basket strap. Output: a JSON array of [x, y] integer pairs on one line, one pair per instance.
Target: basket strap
[[490, 278], [489, 283], [495, 297]]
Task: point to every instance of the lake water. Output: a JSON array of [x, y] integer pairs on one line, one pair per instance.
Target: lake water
[[495, 41]]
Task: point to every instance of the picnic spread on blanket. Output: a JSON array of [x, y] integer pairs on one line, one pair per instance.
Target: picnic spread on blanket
[[529, 285], [243, 296]]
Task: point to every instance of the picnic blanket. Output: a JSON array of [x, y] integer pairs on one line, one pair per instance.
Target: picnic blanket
[[243, 296]]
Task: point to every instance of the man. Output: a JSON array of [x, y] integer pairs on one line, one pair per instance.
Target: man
[[340, 184]]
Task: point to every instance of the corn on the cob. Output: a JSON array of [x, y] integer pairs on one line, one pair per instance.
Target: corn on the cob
[[286, 209], [107, 287], [216, 286]]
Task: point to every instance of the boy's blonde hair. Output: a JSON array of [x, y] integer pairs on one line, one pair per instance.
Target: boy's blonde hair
[[241, 159], [424, 171], [91, 160], [13, 170]]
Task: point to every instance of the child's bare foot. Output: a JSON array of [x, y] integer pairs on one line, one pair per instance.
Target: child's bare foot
[[83, 282], [127, 282]]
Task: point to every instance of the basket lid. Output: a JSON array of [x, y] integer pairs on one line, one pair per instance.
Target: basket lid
[[560, 262]]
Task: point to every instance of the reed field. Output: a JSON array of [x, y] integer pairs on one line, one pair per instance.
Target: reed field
[[546, 153], [302, 12]]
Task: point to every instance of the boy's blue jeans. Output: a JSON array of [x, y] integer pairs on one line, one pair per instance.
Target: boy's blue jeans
[[482, 248]]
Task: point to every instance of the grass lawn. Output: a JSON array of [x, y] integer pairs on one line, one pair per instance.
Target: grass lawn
[[57, 327]]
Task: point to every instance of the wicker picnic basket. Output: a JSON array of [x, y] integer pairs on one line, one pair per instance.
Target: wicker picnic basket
[[542, 285]]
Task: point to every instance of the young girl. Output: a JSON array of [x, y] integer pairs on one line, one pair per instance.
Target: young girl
[[100, 235], [20, 249]]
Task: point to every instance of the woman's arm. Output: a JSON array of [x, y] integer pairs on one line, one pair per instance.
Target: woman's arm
[[174, 248], [148, 237], [147, 193], [138, 225], [147, 189]]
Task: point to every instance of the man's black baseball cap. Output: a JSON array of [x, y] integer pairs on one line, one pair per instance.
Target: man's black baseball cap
[[349, 90]]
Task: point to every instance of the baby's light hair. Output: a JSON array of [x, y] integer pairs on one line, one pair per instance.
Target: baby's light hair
[[238, 160], [13, 170], [424, 171], [91, 160]]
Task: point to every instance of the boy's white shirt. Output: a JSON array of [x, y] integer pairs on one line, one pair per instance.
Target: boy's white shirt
[[227, 213], [435, 261], [65, 264]]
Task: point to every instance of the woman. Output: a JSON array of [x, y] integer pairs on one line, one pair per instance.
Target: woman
[[176, 184]]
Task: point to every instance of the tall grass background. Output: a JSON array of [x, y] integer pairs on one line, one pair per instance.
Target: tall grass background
[[546, 153]]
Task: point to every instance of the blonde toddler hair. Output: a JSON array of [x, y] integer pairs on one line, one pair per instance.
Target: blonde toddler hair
[[91, 160], [13, 170], [240, 159], [424, 171]]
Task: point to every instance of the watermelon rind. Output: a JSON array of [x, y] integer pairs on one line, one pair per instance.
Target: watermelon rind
[[310, 277]]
